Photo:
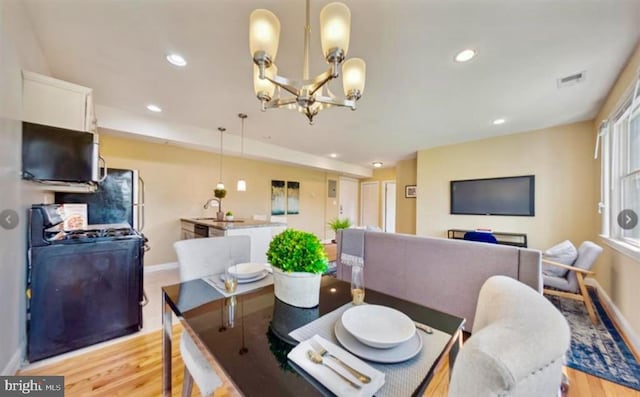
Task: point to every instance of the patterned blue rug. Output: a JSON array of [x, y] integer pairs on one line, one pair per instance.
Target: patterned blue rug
[[598, 350]]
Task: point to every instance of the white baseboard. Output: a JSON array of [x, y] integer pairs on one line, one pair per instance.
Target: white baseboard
[[631, 335], [14, 364], [163, 266]]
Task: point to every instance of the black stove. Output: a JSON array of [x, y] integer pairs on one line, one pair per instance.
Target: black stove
[[84, 286], [46, 229]]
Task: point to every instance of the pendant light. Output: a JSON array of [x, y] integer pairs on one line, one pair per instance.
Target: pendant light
[[220, 185], [242, 184]]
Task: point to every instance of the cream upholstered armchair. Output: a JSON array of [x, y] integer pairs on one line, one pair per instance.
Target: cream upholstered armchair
[[517, 347], [571, 285], [198, 258]]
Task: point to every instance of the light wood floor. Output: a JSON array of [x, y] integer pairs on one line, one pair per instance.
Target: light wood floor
[[133, 368]]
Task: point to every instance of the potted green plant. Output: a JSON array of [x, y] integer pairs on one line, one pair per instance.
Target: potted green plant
[[220, 194], [337, 224], [298, 260], [229, 216]]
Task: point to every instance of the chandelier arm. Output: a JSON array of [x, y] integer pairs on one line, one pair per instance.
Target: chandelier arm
[[279, 103], [285, 84], [350, 103], [291, 85], [320, 80]]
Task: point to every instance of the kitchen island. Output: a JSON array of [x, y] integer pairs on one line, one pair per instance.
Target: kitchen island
[[261, 232]]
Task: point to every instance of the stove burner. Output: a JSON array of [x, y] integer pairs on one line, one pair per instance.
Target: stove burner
[[92, 234]]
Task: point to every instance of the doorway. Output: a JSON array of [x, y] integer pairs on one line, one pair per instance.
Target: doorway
[[348, 201], [369, 203], [389, 206]]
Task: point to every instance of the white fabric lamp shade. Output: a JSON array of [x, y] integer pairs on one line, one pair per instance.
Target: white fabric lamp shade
[[264, 33], [353, 75], [335, 27], [264, 86], [220, 185]]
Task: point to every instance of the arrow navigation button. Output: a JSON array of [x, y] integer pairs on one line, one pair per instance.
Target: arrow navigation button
[[627, 219], [9, 219]]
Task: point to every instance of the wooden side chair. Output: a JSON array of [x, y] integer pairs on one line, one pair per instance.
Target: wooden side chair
[[572, 285]]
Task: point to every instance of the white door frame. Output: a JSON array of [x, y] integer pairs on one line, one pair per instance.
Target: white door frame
[[384, 202], [362, 184]]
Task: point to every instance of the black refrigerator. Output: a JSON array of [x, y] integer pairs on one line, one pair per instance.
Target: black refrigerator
[[119, 198]]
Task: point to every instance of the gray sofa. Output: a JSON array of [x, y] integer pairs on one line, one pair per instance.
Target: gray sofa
[[440, 273]]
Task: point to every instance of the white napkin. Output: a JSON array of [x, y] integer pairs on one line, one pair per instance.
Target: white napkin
[[328, 378]]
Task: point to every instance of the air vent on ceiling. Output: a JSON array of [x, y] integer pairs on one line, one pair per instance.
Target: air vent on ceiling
[[571, 80]]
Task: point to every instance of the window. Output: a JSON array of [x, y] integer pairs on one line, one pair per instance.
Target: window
[[620, 194]]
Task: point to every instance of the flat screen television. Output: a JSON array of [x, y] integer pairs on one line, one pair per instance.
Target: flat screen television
[[56, 154], [513, 196]]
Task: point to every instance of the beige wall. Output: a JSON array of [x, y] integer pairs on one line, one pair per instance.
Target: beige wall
[[616, 272], [18, 50], [179, 181], [406, 207], [561, 158]]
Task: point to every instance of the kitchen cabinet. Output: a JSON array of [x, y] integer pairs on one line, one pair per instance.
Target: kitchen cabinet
[[261, 232], [57, 103]]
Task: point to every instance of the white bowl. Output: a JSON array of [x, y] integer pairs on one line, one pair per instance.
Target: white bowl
[[247, 270], [378, 326]]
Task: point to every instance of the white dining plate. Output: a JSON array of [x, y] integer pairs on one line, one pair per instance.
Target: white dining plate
[[402, 352], [378, 326], [251, 279], [247, 270]]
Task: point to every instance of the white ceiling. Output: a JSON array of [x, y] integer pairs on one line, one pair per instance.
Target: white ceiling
[[415, 97]]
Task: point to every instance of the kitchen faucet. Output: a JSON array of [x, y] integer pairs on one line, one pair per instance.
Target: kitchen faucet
[[208, 203]]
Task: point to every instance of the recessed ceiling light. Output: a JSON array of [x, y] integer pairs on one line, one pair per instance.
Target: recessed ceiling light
[[333, 155], [498, 121], [177, 60], [377, 164], [154, 108], [466, 55]]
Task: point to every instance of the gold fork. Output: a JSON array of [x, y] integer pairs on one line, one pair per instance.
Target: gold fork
[[323, 352]]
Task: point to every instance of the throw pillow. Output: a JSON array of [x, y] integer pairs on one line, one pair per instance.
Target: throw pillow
[[564, 253]]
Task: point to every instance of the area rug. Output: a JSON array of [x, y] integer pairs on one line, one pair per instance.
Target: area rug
[[598, 350]]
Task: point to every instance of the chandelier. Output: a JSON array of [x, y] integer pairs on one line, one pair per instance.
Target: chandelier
[[310, 95]]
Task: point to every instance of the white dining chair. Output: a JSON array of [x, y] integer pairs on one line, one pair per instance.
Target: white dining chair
[[198, 258], [517, 347]]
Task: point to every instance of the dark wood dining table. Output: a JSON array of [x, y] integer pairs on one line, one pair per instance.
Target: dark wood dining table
[[245, 338]]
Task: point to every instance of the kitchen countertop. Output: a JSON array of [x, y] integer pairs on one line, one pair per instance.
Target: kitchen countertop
[[236, 224]]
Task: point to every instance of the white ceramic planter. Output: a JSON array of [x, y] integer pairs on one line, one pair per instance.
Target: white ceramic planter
[[297, 288]]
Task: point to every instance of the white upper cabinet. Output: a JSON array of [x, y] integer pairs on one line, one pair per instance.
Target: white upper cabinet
[[57, 103]]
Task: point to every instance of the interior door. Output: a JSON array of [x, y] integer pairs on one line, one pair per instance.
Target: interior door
[[389, 207], [348, 199], [369, 203]]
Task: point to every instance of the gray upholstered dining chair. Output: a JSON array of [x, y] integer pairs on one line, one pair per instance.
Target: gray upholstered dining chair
[[570, 284], [517, 347], [198, 258]]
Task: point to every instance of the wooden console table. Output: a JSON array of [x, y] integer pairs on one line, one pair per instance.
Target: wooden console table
[[515, 239]]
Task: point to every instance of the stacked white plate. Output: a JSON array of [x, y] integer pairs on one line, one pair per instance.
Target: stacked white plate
[[249, 272], [378, 333]]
